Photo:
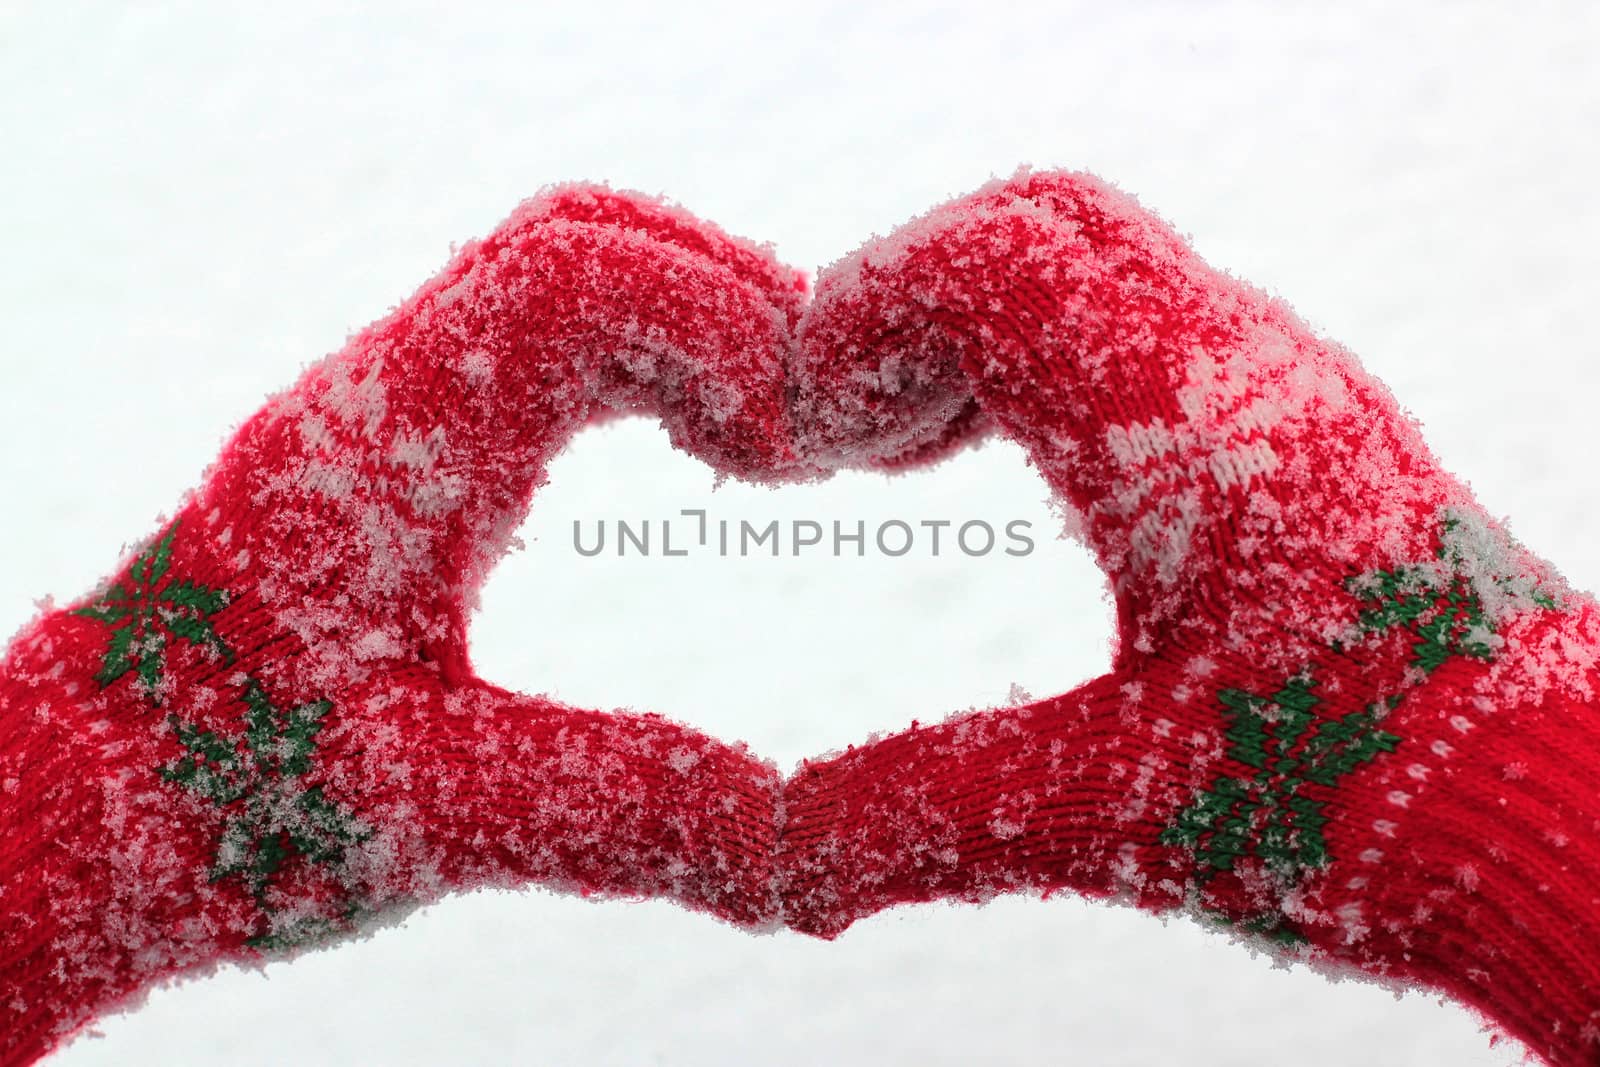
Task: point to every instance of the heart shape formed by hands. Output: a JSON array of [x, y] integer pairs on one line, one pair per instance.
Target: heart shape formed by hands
[[1349, 715]]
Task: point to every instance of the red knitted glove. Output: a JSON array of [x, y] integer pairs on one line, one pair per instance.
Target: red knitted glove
[[264, 732], [1348, 714]]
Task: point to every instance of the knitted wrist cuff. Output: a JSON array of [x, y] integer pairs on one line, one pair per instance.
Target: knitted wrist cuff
[[1490, 891]]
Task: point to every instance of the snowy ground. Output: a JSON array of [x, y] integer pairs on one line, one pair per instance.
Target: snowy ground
[[194, 205]]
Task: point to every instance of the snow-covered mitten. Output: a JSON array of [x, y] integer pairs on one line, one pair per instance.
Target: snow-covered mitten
[[264, 732], [1347, 715]]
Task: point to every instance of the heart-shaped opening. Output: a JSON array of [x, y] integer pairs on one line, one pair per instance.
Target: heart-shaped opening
[[809, 650]]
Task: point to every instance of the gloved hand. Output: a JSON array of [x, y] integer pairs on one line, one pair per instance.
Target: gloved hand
[[264, 731], [1348, 714]]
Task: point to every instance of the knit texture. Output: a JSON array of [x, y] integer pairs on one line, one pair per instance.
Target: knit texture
[[1348, 716], [264, 733]]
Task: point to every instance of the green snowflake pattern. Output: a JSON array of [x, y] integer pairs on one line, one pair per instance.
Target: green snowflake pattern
[[1438, 604], [271, 815], [145, 611], [1267, 814], [1274, 814]]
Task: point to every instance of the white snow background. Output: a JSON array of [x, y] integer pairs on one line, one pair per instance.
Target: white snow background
[[196, 202]]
